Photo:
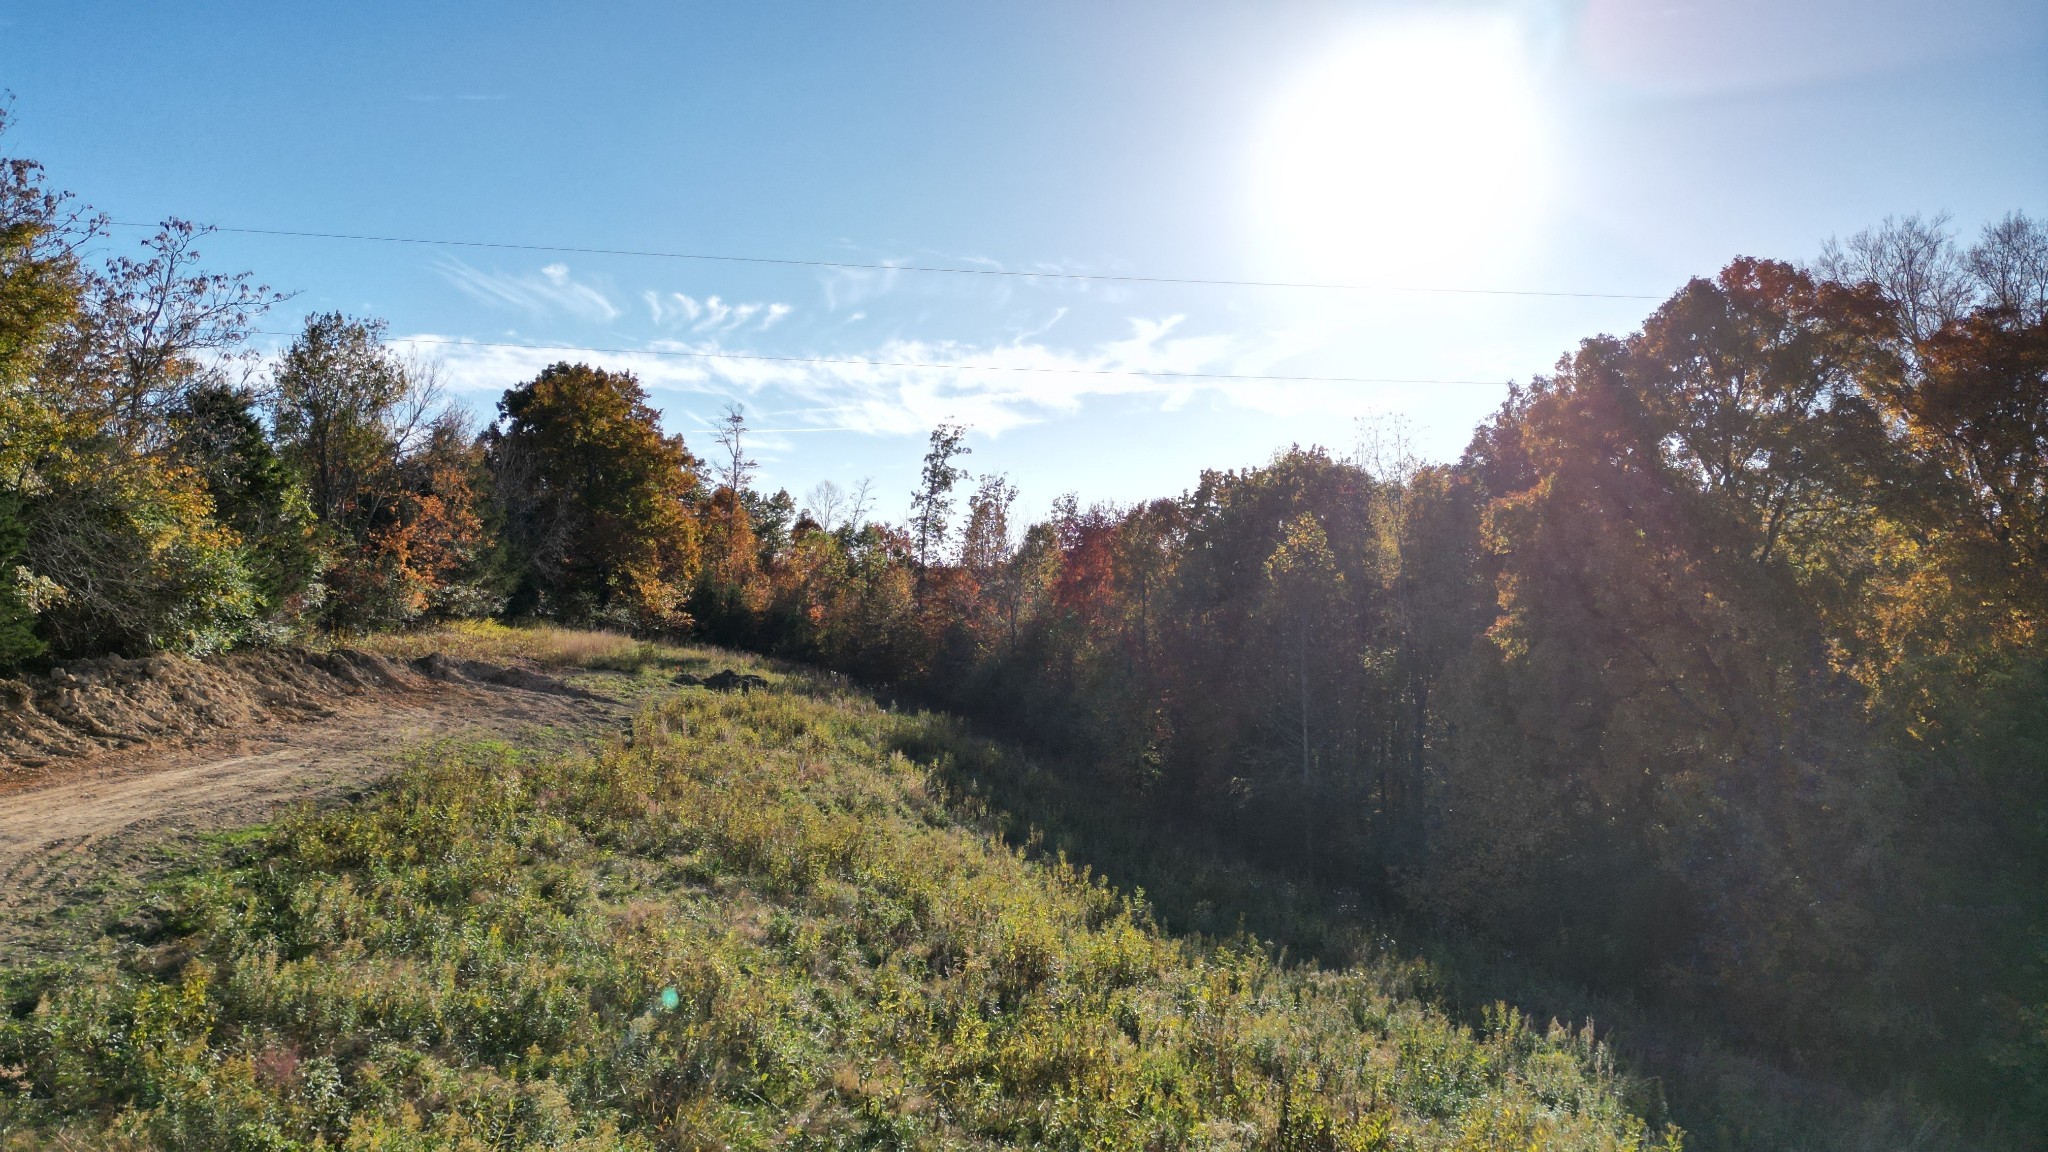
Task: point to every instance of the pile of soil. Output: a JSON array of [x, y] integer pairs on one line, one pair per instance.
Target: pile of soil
[[92, 706], [725, 681]]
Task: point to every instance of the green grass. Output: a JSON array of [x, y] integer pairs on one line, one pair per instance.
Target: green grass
[[774, 920], [1195, 882]]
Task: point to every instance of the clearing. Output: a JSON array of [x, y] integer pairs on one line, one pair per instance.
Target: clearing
[[119, 771]]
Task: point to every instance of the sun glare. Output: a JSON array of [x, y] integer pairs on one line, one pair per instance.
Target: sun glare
[[1411, 151]]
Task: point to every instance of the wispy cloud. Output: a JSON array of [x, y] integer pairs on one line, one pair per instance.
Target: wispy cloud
[[550, 292], [711, 315], [851, 287], [904, 387]]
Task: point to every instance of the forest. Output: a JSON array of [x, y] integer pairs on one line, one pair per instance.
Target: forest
[[1712, 675]]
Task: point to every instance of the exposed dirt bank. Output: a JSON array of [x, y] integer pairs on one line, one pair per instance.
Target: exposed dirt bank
[[82, 711], [110, 769]]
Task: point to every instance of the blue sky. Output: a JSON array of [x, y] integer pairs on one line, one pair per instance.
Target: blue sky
[[1599, 147]]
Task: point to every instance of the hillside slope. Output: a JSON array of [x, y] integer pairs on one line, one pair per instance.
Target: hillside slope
[[756, 923]]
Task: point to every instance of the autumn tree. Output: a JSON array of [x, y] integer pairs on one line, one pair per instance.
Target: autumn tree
[[596, 500], [388, 469]]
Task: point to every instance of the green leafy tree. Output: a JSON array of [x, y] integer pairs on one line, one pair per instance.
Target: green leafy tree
[[120, 548], [1303, 590], [931, 506], [216, 431], [41, 283]]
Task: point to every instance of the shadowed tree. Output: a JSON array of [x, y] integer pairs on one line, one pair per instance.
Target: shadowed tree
[[1303, 588]]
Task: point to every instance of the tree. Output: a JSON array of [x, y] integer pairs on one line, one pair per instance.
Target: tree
[[23, 594], [342, 405], [858, 505], [1914, 263], [1981, 412], [596, 500], [41, 284], [365, 430], [118, 547], [731, 435], [1756, 383], [2010, 262], [159, 326], [733, 561], [985, 542], [215, 431], [825, 504], [931, 506], [1385, 448], [773, 518], [1303, 586]]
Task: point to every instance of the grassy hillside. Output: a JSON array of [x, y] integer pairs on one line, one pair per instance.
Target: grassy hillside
[[761, 921]]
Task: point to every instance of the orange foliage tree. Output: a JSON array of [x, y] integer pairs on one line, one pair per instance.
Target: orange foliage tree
[[596, 501]]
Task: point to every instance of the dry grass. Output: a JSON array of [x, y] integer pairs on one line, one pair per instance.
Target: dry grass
[[545, 645]]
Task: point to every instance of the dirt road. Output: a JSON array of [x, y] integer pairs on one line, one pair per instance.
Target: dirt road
[[126, 816]]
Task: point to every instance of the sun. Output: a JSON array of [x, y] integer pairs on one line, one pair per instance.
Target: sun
[[1414, 150]]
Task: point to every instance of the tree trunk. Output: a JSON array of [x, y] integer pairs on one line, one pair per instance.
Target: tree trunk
[[1308, 803]]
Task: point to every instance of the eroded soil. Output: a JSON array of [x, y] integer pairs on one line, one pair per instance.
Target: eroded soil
[[90, 834]]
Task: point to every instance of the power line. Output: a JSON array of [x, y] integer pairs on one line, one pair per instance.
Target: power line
[[925, 364], [946, 269]]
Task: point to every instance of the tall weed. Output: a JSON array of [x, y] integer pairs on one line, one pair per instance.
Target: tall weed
[[756, 923]]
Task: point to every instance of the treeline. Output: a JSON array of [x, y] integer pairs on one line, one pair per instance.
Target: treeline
[[1713, 673]]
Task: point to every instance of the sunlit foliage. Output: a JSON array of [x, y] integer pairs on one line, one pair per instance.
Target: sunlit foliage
[[596, 500]]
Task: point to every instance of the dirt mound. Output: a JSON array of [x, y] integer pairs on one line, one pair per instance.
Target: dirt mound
[[447, 670], [725, 681], [91, 706]]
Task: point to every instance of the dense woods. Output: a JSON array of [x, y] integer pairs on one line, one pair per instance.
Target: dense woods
[[1713, 673]]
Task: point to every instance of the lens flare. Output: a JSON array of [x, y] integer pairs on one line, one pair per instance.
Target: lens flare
[[1414, 150]]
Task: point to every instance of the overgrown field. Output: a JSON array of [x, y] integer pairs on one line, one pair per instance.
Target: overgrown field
[[763, 921], [547, 645]]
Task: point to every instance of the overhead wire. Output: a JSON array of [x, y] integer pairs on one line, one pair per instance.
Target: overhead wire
[[943, 269]]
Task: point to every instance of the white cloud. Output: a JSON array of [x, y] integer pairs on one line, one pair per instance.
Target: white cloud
[[846, 287], [877, 276], [489, 369], [552, 292], [905, 386], [711, 315]]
